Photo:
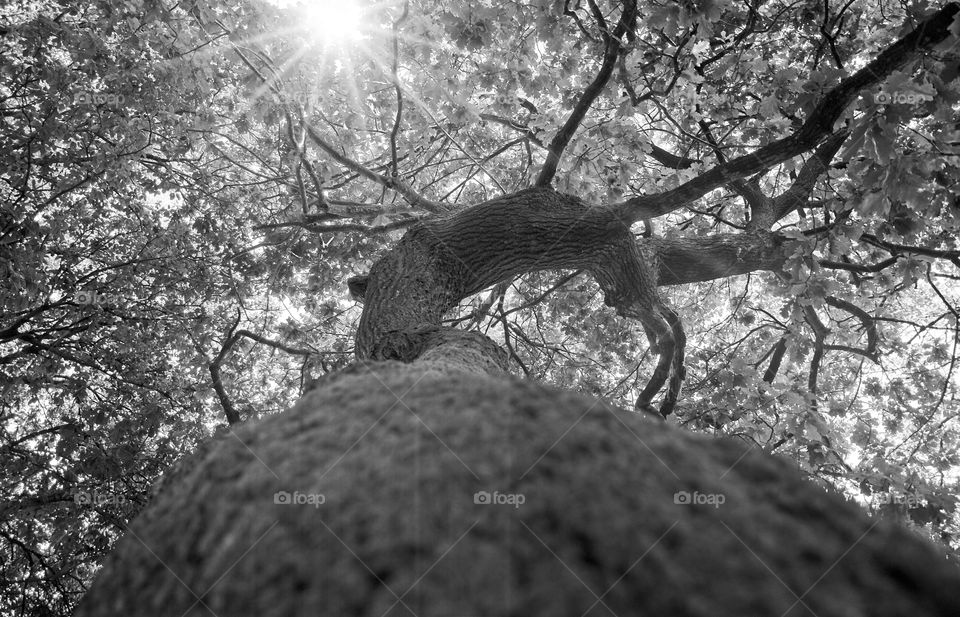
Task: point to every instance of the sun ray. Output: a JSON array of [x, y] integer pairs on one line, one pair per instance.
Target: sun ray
[[333, 23]]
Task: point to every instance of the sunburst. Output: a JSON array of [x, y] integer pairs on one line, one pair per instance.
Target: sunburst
[[333, 22]]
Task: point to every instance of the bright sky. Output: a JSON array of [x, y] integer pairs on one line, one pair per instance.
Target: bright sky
[[332, 22]]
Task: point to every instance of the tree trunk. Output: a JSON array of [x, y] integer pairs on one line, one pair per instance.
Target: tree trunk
[[448, 491], [439, 262], [424, 480]]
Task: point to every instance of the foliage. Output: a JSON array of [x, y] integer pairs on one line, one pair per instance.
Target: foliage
[[161, 192]]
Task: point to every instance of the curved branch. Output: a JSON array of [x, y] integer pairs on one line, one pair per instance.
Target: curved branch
[[394, 173], [233, 417], [233, 336], [296, 351], [894, 248], [799, 192], [590, 94], [851, 267], [669, 159], [688, 260], [820, 333], [817, 126], [412, 196], [869, 325]]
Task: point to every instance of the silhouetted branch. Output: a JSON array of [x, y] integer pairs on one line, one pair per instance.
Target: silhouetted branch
[[591, 92]]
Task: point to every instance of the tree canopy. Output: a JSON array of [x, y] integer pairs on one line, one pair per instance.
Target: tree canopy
[[190, 191]]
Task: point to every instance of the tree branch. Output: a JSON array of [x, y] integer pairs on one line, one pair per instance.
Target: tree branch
[[669, 159], [799, 192], [817, 126], [851, 267], [869, 325], [228, 409], [590, 94], [394, 173], [393, 182], [413, 197], [234, 336]]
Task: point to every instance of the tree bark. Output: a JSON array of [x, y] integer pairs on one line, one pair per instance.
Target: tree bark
[[581, 512], [694, 260], [424, 481], [437, 263]]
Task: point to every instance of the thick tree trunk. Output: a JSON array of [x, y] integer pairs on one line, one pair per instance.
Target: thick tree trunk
[[437, 485], [439, 262], [389, 466], [448, 492]]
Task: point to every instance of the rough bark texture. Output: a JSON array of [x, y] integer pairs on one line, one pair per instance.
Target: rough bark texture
[[437, 263], [691, 260], [399, 451]]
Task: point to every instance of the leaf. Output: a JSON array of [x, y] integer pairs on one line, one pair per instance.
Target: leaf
[[874, 204]]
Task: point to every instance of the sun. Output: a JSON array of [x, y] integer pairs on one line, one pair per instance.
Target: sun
[[332, 22]]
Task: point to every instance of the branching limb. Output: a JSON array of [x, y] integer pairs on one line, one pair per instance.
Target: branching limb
[[748, 189], [629, 285], [669, 159], [233, 417], [392, 182], [820, 332], [869, 325], [413, 197], [394, 173], [818, 125], [611, 51], [799, 192], [779, 350], [234, 336], [766, 211], [859, 268], [678, 371]]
